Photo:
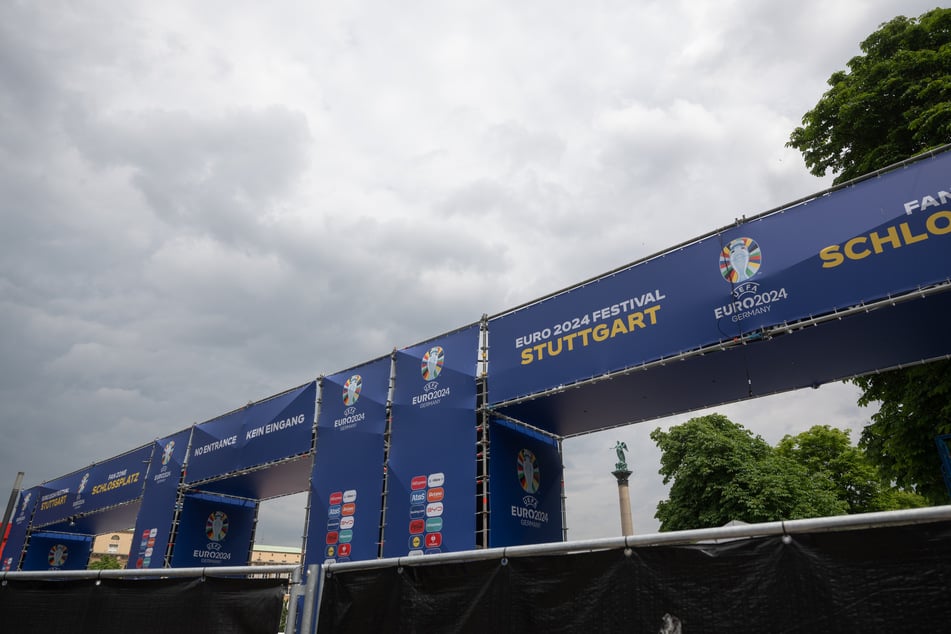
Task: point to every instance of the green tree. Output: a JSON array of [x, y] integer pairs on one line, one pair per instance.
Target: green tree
[[719, 471], [893, 102], [106, 562], [915, 407], [828, 453]]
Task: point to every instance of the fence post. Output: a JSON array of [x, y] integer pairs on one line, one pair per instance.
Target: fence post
[[312, 593]]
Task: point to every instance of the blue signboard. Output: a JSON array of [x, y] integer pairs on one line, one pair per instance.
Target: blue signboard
[[430, 505], [876, 239], [19, 525], [154, 522], [214, 531], [347, 480], [55, 498], [57, 551], [262, 432], [112, 482], [525, 476]]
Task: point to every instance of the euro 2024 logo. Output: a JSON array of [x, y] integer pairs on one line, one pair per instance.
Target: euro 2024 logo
[[351, 390], [167, 452], [529, 477], [58, 555], [430, 368], [432, 363], [216, 527], [740, 261]]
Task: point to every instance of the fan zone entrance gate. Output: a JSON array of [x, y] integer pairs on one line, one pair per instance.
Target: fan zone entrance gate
[[453, 443]]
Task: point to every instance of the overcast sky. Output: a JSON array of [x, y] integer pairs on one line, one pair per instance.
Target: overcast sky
[[206, 203]]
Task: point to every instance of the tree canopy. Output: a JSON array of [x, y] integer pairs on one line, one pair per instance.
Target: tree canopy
[[914, 408], [892, 103], [719, 471], [106, 562]]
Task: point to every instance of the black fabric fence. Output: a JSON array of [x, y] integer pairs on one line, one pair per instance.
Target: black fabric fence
[[142, 606], [894, 579]]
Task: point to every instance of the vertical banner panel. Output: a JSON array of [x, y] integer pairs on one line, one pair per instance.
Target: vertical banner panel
[[525, 475], [269, 430], [19, 525], [154, 522], [214, 531], [431, 487], [876, 239], [347, 480], [57, 551]]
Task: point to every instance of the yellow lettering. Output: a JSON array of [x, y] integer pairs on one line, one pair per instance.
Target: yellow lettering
[[570, 340], [527, 356], [635, 320], [600, 332], [651, 311], [891, 238], [932, 223], [907, 235], [618, 328], [850, 251], [584, 337], [831, 257]]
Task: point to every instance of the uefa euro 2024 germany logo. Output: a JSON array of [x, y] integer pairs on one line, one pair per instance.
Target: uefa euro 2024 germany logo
[[432, 363], [528, 475], [351, 390], [740, 260], [216, 527], [167, 452], [58, 555]]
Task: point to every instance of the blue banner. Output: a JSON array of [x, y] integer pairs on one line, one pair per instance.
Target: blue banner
[[214, 531], [94, 488], [57, 551], [112, 482], [19, 525], [430, 505], [347, 480], [55, 498], [525, 476], [262, 432], [876, 239], [154, 522]]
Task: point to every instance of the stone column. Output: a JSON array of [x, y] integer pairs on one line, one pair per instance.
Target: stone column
[[624, 501]]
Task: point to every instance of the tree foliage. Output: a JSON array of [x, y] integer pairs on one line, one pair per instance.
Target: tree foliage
[[892, 103], [106, 562], [719, 471], [915, 407]]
